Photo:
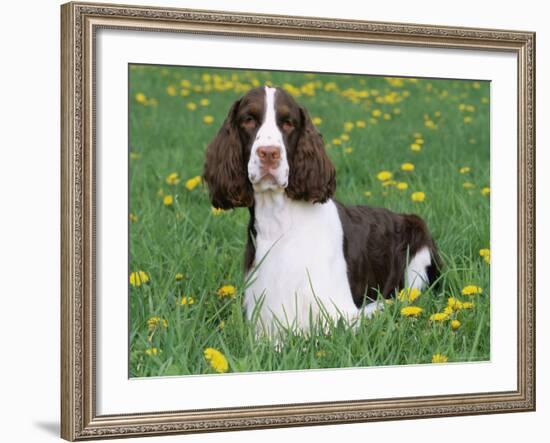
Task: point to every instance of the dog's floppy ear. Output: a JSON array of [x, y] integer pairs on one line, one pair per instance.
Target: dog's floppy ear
[[225, 172], [312, 176]]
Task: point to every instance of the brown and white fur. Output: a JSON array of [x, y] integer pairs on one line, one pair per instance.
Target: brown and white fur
[[306, 252]]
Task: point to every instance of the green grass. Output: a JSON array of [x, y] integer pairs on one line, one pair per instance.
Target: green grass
[[186, 237]]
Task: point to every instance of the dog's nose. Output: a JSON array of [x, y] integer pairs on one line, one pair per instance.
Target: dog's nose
[[269, 155]]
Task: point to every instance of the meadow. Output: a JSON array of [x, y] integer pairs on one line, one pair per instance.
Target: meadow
[[411, 145]]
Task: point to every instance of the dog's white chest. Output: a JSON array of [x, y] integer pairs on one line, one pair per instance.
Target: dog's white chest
[[299, 267]]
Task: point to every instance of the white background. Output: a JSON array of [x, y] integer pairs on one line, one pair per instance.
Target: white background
[[29, 234]]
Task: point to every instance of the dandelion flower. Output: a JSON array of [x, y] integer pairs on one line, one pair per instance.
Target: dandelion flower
[[348, 150], [439, 358], [226, 291], [367, 194], [133, 218], [348, 126], [407, 167], [139, 278], [217, 360], [389, 183], [168, 200], [411, 311], [173, 178], [217, 211], [485, 252], [141, 98], [415, 147], [439, 316], [187, 300], [156, 322], [402, 186], [468, 305], [344, 137], [468, 119], [320, 354], [472, 290], [152, 351], [179, 276], [454, 304], [172, 91], [468, 185], [376, 113], [135, 155], [455, 324], [464, 169], [192, 183], [204, 102], [336, 141], [361, 123], [191, 106], [384, 176], [317, 121], [409, 294], [418, 196], [387, 116], [208, 119], [486, 191]]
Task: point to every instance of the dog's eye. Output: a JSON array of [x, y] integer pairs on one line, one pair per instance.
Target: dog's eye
[[248, 122], [288, 125]]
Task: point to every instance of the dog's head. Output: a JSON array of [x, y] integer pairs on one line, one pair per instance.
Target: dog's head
[[267, 142]]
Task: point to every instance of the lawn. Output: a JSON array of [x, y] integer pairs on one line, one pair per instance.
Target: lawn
[[186, 282]]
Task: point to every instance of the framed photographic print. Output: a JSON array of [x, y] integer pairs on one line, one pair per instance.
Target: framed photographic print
[[283, 221]]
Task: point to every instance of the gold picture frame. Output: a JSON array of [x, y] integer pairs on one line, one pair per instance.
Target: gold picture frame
[[79, 22]]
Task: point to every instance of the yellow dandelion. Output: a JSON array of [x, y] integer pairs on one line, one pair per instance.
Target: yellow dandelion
[[192, 183], [348, 126], [389, 183], [133, 218], [397, 111], [204, 102], [387, 116], [472, 290], [454, 304], [455, 324], [217, 211], [173, 178], [139, 278], [191, 106], [320, 354], [344, 137], [468, 305], [402, 186], [226, 291], [141, 98], [208, 119], [439, 316], [361, 123], [217, 360], [135, 155], [415, 147], [187, 300], [485, 191], [172, 91], [411, 311], [367, 194], [448, 310], [464, 169], [439, 358], [152, 351], [179, 276], [384, 176], [409, 294], [407, 167], [156, 322], [167, 200], [485, 252], [418, 196], [430, 124], [468, 119], [468, 185], [317, 121], [348, 150], [336, 141], [185, 92], [376, 113]]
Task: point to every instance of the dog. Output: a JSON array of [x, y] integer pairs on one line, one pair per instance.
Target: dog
[[307, 255]]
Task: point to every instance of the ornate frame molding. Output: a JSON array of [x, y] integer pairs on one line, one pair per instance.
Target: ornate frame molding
[[79, 420]]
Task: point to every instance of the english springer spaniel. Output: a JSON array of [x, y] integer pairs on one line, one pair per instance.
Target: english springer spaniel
[[307, 254]]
